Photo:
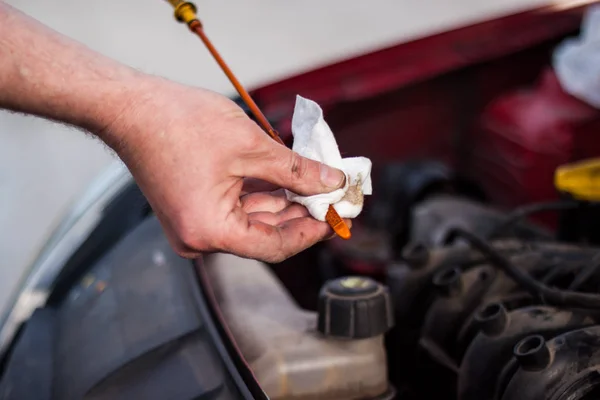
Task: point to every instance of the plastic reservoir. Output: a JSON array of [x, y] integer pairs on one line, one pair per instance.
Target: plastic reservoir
[[290, 358]]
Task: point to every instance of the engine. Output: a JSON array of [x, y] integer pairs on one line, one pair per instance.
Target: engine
[[477, 333], [487, 305]]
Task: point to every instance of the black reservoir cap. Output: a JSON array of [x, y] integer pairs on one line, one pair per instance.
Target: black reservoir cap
[[354, 308]]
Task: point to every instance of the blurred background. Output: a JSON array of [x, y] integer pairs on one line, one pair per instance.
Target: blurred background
[[45, 166]]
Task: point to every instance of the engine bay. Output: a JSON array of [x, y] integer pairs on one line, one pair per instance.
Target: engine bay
[[487, 303]]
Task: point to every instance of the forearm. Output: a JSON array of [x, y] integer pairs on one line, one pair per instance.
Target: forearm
[[46, 74]]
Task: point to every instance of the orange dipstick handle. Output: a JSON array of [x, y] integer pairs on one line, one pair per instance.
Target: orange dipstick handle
[[186, 12], [337, 223]]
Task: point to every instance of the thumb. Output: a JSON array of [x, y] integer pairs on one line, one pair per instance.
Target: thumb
[[287, 169]]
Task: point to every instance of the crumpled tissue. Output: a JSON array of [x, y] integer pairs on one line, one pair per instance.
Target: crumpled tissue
[[313, 139], [577, 60]]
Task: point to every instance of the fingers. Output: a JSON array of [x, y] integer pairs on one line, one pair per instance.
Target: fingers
[[277, 218], [256, 239], [264, 235], [268, 202], [284, 217], [281, 166]]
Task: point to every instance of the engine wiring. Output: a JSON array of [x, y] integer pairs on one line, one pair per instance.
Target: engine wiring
[[586, 273], [548, 295], [518, 214]]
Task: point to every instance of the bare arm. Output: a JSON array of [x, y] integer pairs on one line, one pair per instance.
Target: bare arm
[[49, 75], [188, 149]]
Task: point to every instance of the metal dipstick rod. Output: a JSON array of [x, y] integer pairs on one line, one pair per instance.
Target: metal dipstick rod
[[185, 12]]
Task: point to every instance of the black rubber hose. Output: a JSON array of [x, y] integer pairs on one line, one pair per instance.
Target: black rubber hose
[[519, 213], [586, 273], [547, 295]]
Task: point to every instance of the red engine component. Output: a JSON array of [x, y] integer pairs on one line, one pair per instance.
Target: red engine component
[[524, 135]]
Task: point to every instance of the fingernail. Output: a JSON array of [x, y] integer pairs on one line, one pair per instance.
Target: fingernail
[[331, 177]]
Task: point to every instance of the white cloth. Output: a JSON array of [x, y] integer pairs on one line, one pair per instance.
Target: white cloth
[[577, 60], [313, 139]]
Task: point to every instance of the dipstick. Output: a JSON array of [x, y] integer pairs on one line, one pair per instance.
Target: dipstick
[[185, 12]]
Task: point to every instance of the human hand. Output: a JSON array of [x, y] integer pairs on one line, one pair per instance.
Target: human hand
[[189, 150]]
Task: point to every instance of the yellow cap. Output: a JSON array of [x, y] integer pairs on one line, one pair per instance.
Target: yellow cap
[[581, 179], [185, 11]]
